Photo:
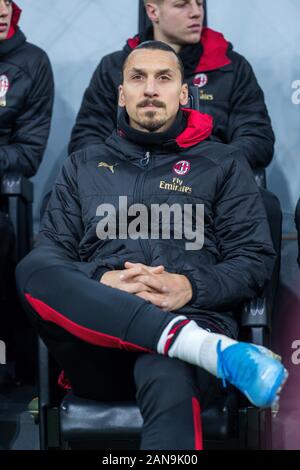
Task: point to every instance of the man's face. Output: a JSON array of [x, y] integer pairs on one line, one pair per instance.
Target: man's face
[[152, 90], [5, 18], [177, 22]]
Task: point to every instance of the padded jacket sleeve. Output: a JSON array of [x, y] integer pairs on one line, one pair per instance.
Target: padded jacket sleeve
[[30, 134], [249, 126], [62, 228], [243, 236]]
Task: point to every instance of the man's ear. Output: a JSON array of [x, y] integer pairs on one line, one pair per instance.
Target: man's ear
[[184, 95], [152, 10], [121, 97]]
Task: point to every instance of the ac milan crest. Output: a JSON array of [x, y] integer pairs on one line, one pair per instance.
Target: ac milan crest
[[4, 87], [200, 80], [182, 168]]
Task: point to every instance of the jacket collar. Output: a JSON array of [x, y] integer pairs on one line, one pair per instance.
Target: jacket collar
[[210, 54], [197, 129], [151, 139], [9, 45], [15, 37]]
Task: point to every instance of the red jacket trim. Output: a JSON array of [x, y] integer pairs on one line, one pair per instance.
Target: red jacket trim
[[215, 48], [14, 20], [199, 128]]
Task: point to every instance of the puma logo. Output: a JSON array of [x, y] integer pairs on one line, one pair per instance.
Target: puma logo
[[109, 167]]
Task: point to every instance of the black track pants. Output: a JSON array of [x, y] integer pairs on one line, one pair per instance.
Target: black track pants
[[105, 340]]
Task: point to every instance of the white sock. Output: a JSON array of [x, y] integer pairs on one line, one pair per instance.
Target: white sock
[[165, 334], [195, 345]]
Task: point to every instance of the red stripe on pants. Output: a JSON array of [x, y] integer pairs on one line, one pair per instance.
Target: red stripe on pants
[[197, 424], [90, 336]]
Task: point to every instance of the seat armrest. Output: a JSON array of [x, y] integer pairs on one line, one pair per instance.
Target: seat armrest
[[260, 177], [16, 193], [255, 313], [43, 377], [14, 184], [256, 319], [44, 392], [194, 102]]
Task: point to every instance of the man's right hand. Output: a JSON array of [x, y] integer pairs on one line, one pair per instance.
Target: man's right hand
[[122, 279]]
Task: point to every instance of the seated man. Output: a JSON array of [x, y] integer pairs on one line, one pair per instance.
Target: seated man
[[228, 91], [26, 96], [26, 101], [131, 305]]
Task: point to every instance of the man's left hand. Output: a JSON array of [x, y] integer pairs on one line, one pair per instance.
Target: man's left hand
[[170, 291]]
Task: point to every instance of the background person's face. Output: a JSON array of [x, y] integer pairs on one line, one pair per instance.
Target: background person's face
[[178, 22], [5, 18], [152, 90]]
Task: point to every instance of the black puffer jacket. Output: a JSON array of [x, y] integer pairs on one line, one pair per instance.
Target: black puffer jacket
[[26, 97], [228, 91], [237, 257]]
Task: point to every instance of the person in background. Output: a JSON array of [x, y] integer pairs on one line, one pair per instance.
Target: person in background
[[26, 102], [143, 313], [228, 89]]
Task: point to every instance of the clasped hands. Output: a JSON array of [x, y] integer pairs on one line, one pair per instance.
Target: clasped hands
[[167, 291]]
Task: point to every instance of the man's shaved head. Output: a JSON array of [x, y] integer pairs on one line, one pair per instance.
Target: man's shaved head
[[158, 46], [152, 90], [152, 1]]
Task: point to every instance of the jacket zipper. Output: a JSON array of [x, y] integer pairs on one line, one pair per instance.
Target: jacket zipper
[[144, 162]]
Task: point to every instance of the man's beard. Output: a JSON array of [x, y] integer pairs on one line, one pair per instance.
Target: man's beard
[[148, 121], [151, 124]]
